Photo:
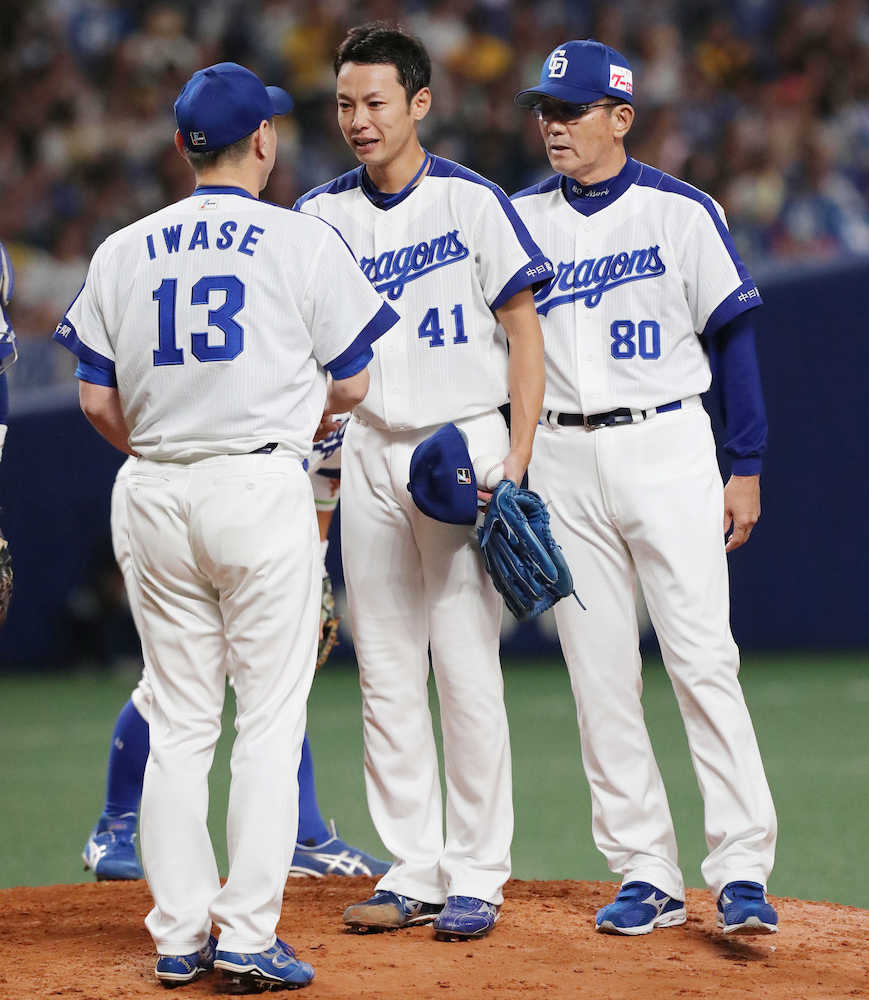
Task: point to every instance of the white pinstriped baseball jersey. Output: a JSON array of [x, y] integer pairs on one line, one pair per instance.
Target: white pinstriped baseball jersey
[[8, 351], [7, 287], [635, 283], [228, 301], [445, 257]]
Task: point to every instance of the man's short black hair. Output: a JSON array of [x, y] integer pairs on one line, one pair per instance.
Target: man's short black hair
[[381, 42], [232, 153]]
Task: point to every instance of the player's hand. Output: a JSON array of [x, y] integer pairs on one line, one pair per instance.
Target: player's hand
[[741, 509], [514, 470], [327, 425]]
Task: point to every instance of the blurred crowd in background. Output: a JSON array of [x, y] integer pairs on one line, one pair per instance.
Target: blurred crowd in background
[[764, 104]]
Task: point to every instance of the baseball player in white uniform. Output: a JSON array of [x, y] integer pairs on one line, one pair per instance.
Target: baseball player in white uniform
[[8, 351], [8, 355], [204, 334], [445, 248], [110, 850], [648, 290]]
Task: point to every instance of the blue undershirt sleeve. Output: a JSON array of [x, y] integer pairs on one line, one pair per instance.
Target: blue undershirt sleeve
[[736, 379]]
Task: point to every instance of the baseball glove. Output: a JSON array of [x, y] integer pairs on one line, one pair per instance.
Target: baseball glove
[[328, 623], [520, 554], [5, 578]]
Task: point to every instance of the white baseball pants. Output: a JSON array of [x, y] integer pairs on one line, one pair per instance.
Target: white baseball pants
[[645, 501], [415, 583], [226, 558], [141, 694]]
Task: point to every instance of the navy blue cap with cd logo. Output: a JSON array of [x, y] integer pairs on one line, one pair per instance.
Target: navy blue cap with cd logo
[[581, 72]]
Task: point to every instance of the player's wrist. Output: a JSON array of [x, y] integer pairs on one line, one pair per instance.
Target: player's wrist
[[516, 464], [521, 454]]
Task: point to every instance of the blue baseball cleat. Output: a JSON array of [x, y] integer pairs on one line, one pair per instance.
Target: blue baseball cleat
[[176, 970], [334, 857], [277, 968], [639, 908], [387, 911], [743, 909], [465, 917], [111, 849]]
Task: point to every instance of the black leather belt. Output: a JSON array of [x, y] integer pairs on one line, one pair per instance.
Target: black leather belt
[[266, 449], [622, 415]]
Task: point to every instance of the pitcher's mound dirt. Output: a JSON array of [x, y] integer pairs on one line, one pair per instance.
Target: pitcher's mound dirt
[[87, 942]]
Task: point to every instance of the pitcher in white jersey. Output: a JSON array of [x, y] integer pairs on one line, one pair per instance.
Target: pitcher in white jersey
[[110, 850], [204, 334], [449, 252], [648, 291]]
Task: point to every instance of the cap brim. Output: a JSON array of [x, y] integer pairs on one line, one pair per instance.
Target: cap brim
[[282, 103], [559, 92]]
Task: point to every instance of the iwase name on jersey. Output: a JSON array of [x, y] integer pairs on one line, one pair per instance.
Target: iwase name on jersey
[[224, 237]]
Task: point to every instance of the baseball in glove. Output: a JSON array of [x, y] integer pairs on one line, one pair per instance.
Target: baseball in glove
[[5, 578], [520, 555], [328, 623]]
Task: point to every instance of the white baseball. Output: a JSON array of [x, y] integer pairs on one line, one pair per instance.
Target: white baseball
[[489, 470]]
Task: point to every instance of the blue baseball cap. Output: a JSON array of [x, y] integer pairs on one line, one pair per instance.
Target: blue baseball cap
[[582, 72], [223, 103], [442, 481]]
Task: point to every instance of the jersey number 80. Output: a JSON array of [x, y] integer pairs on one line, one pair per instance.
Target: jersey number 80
[[629, 340]]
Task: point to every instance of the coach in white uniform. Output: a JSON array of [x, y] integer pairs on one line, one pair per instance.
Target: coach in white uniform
[[447, 249], [204, 334], [646, 278]]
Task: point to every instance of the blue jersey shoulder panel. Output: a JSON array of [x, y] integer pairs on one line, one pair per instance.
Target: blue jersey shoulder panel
[[441, 167], [653, 178], [346, 182], [447, 168], [552, 183]]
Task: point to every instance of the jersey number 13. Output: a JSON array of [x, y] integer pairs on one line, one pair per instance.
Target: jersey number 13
[[222, 318]]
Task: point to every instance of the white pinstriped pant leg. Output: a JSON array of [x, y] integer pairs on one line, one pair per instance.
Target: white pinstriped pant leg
[[631, 822], [141, 694], [226, 557], [676, 539], [383, 575], [409, 577], [465, 613], [646, 499]]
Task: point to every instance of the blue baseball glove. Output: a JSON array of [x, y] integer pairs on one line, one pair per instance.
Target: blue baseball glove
[[520, 554]]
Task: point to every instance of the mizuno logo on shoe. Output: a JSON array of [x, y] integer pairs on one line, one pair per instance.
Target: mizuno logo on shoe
[[659, 904]]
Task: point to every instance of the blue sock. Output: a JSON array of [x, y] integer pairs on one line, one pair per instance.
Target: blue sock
[[312, 828], [128, 755]]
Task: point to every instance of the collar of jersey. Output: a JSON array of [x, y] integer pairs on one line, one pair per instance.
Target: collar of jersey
[[218, 189], [590, 198], [385, 200]]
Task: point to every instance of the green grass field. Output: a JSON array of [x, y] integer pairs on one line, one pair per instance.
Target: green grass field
[[810, 714]]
